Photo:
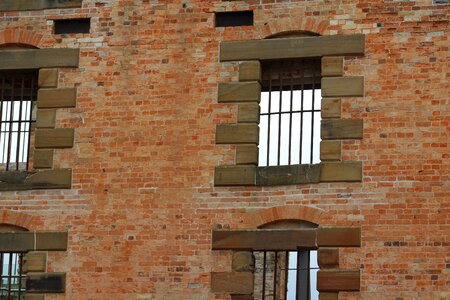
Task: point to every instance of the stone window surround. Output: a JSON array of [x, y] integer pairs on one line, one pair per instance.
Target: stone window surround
[[47, 137], [331, 280], [36, 244], [23, 5], [246, 94]]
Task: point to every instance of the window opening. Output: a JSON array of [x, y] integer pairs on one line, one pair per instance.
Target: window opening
[[234, 18], [12, 285], [286, 275], [290, 112], [17, 99], [72, 26]]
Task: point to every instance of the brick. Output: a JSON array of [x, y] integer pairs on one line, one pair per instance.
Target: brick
[[38, 58], [46, 282], [268, 239], [343, 86], [339, 237], [237, 133], [46, 118], [48, 78], [283, 175], [234, 175], [54, 138], [341, 171], [328, 258], [239, 92], [35, 262], [250, 71], [330, 150], [243, 261], [248, 113], [292, 48], [51, 240], [341, 129], [43, 158], [332, 66], [232, 282], [331, 108], [57, 98], [247, 154], [338, 280], [16, 241]]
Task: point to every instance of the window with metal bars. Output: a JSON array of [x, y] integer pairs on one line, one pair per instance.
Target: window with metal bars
[[286, 275], [18, 92], [290, 112], [12, 286]]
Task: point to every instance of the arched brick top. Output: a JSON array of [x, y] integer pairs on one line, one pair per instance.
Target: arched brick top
[[16, 218], [20, 37], [275, 26], [285, 212]]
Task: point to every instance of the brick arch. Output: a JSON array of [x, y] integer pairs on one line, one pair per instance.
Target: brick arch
[[307, 24], [20, 37], [16, 218], [284, 212]]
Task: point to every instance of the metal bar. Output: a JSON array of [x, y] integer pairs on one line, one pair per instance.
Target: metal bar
[[297, 284], [288, 112], [269, 117], [312, 117], [279, 117], [1, 269], [20, 260], [11, 115], [264, 276], [2, 95], [10, 274], [302, 73], [275, 276], [286, 273], [20, 123], [33, 91], [290, 116]]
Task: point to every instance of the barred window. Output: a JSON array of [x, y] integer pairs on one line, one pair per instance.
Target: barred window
[[286, 275], [17, 97], [290, 112], [12, 286]]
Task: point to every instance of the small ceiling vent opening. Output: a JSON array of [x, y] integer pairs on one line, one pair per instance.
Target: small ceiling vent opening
[[72, 26], [234, 18]]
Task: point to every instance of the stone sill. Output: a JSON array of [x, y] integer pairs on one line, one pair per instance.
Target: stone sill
[[34, 180], [23, 5], [236, 175]]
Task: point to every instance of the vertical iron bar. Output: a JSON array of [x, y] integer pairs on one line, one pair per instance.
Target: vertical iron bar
[[19, 125], [30, 119], [301, 110], [269, 115], [9, 274], [312, 115], [2, 96], [11, 115], [286, 274], [275, 276], [279, 113], [264, 276], [297, 284], [20, 260], [1, 269], [308, 288], [290, 112]]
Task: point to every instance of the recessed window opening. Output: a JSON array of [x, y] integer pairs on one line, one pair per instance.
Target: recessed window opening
[[290, 112], [72, 26], [17, 98], [234, 18], [286, 275], [12, 285]]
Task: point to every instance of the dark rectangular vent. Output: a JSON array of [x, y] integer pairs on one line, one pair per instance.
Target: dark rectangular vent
[[234, 18], [72, 26]]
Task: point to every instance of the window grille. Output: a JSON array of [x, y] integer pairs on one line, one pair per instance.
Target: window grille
[[12, 285], [290, 112], [286, 275], [17, 97]]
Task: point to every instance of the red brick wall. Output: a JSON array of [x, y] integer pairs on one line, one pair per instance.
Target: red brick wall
[[142, 206]]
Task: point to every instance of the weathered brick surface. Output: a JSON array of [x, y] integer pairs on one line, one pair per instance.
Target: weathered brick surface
[[142, 204]]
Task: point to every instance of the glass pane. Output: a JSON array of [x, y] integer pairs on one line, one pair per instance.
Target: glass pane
[[264, 104], [262, 159], [284, 144]]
